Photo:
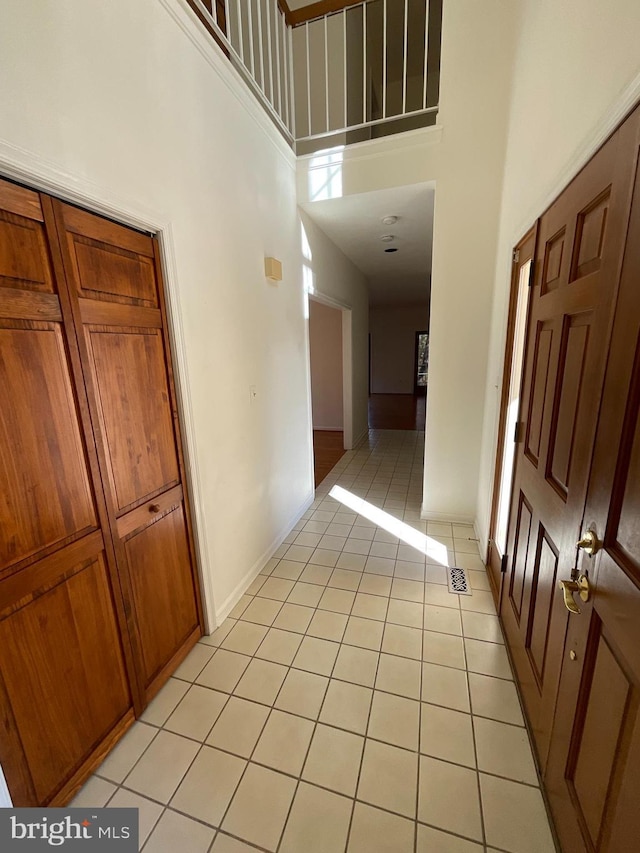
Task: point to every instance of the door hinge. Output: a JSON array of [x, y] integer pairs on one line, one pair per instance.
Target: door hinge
[[516, 256], [517, 433], [503, 563]]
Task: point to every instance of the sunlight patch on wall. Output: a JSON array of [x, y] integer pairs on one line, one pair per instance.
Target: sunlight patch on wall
[[325, 175]]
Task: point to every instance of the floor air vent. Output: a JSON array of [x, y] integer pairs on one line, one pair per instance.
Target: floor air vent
[[458, 581]]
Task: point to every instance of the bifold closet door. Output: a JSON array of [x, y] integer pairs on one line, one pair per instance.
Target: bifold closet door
[[115, 289], [64, 693]]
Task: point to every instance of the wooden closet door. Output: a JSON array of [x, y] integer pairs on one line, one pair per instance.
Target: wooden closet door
[[113, 276], [63, 684], [577, 268]]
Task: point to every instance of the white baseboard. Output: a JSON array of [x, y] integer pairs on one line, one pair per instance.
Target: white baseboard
[[430, 515], [234, 597]]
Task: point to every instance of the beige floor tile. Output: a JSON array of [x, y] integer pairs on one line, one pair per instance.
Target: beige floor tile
[[439, 596], [408, 613], [260, 807], [327, 625], [406, 570], [375, 831], [270, 565], [344, 579], [197, 712], [244, 638], [487, 659], [495, 698], [346, 706], [148, 812], [384, 536], [399, 640], [332, 543], [432, 840], [284, 742], [515, 818], [316, 574], [324, 557], [360, 532], [375, 585], [478, 579], [407, 590], [302, 693], [279, 646], [162, 706], [395, 720], [307, 538], [365, 633], [307, 594], [481, 626], [262, 611], [411, 554], [95, 793], [224, 670], [318, 823], [238, 727], [370, 606], [221, 631], [439, 528], [195, 662], [261, 681], [470, 561], [207, 789], [436, 574], [353, 546], [444, 649], [294, 617], [383, 549], [504, 750], [399, 675], [448, 798], [316, 655], [446, 734], [444, 620], [127, 751], [237, 611], [388, 778], [337, 529], [334, 759], [356, 665], [300, 553], [480, 601], [288, 569], [337, 600], [353, 560], [316, 526], [256, 585], [383, 566], [277, 588], [465, 545], [177, 832], [226, 844], [159, 771]]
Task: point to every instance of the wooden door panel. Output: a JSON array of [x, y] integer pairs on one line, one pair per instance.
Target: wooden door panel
[[521, 557], [590, 237], [24, 260], [574, 348], [554, 255], [538, 399], [46, 496], [163, 589], [109, 271], [131, 383], [545, 573], [65, 635]]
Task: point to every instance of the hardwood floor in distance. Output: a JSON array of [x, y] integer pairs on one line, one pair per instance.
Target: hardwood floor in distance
[[328, 447], [397, 411]]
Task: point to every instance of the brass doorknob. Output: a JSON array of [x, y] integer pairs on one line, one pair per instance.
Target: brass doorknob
[[589, 543], [581, 586]]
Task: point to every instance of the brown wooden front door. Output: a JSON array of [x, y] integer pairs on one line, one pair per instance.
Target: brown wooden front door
[[577, 266], [593, 773]]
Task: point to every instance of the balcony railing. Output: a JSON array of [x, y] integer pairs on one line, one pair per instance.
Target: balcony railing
[[365, 70]]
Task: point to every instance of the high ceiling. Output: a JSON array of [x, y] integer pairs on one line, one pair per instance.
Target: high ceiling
[[354, 223]]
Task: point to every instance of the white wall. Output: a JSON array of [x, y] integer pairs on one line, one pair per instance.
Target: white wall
[[333, 276], [325, 350], [465, 158], [393, 346], [577, 70], [132, 104]]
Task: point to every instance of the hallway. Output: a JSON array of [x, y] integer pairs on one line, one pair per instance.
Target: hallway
[[347, 695]]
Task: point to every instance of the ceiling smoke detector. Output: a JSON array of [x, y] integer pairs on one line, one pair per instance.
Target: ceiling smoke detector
[[388, 238], [389, 220]]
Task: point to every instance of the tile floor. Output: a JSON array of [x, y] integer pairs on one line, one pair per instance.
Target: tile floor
[[348, 703]]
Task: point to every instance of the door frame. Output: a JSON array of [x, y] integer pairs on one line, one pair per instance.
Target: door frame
[[347, 364], [525, 248], [39, 175]]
